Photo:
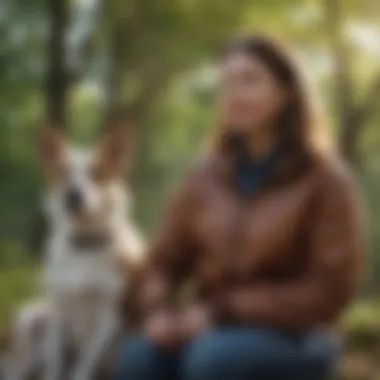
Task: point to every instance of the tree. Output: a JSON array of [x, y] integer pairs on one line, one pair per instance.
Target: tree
[[151, 43], [353, 114], [148, 46], [57, 72]]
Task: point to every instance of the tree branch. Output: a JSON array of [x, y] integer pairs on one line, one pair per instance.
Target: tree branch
[[153, 81]]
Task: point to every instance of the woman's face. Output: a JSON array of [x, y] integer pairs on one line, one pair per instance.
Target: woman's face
[[250, 96]]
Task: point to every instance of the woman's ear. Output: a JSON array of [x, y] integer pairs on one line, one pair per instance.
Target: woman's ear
[[115, 148]]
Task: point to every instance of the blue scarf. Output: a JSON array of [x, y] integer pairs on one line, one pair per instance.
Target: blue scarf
[[251, 175]]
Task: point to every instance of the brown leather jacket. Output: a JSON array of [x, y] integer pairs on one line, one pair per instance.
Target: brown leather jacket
[[289, 257]]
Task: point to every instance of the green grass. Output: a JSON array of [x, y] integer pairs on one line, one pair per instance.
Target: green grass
[[17, 285], [364, 313]]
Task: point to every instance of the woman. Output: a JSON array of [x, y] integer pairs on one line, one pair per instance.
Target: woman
[[268, 228]]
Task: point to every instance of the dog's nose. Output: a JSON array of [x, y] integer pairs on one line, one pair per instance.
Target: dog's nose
[[73, 199]]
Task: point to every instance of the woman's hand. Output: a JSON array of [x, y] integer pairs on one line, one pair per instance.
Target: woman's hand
[[164, 329], [167, 329], [195, 320]]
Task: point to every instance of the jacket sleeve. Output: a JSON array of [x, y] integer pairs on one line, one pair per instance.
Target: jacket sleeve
[[332, 276], [171, 257]]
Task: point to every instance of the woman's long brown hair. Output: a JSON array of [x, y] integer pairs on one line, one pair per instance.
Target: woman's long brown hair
[[300, 125]]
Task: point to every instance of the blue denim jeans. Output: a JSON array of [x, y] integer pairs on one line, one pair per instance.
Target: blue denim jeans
[[233, 353]]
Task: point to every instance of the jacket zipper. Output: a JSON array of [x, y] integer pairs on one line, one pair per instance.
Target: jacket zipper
[[238, 233], [235, 246]]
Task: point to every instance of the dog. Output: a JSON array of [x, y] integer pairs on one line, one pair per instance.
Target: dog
[[92, 252]]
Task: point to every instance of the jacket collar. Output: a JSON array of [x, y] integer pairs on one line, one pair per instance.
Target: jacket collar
[[278, 168]]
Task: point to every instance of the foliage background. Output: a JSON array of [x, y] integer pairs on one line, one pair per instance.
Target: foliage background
[[76, 60]]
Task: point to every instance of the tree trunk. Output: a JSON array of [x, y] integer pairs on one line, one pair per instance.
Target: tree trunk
[[115, 73], [344, 88], [56, 92], [352, 114], [57, 73]]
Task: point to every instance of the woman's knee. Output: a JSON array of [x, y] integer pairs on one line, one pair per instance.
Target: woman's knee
[[139, 360], [245, 355], [228, 353]]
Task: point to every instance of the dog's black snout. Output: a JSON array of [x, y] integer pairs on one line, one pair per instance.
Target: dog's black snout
[[73, 199]]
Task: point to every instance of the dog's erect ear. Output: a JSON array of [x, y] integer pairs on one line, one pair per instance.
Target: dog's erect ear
[[115, 148], [51, 146]]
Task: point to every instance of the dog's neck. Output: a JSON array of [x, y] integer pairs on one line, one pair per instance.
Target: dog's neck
[[89, 239], [95, 236]]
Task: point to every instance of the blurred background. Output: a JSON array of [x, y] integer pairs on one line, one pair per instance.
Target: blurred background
[[74, 61]]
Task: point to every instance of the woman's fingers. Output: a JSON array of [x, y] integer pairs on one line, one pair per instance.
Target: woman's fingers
[[167, 329], [164, 329], [195, 320]]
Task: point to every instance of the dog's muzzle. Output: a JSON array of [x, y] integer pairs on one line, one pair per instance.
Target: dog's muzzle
[[73, 200]]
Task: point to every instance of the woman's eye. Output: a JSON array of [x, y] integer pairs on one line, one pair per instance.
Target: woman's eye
[[243, 79], [250, 78]]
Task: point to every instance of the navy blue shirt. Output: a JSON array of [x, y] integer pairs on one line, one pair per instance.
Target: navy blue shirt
[[251, 175]]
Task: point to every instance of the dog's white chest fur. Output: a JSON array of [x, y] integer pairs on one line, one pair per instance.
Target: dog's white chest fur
[[85, 286], [72, 272]]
